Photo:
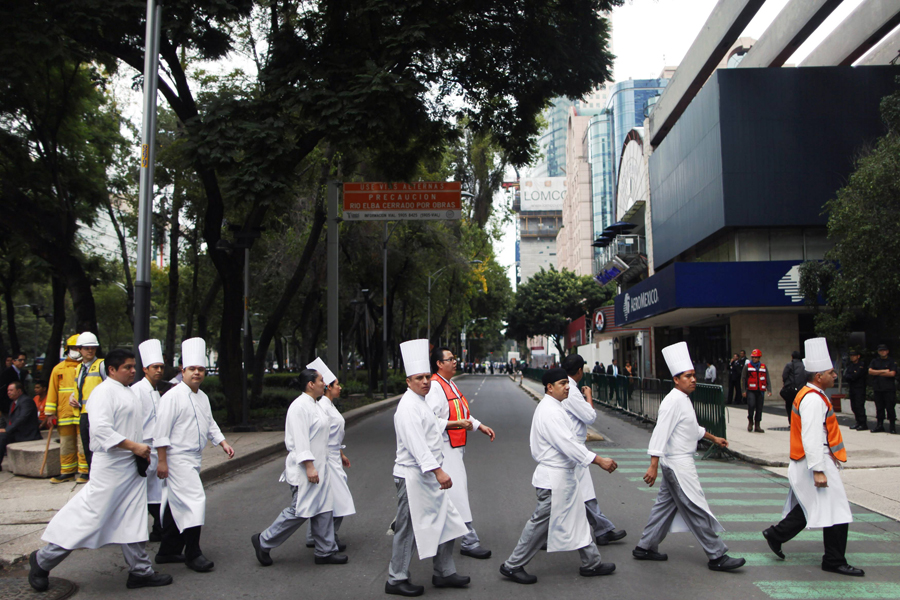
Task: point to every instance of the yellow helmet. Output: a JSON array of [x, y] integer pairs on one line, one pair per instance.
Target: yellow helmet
[[72, 341]]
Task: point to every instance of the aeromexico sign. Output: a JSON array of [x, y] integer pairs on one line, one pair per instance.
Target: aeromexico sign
[[712, 285]]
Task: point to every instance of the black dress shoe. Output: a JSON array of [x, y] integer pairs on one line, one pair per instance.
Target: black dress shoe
[[878, 429], [478, 552], [154, 580], [162, 559], [601, 569], [341, 546], [725, 563], [842, 570], [38, 579], [261, 555], [641, 554], [404, 588], [332, 559], [518, 575], [455, 580], [155, 536], [610, 536], [774, 545], [201, 564]]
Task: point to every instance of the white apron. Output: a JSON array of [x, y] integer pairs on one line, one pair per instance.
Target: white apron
[[434, 518], [569, 527], [154, 483], [689, 481], [110, 509], [342, 499], [456, 469], [312, 498], [585, 483], [823, 507], [183, 491]]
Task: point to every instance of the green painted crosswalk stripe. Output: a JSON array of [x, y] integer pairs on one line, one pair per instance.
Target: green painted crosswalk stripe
[[813, 590], [776, 517], [753, 502], [810, 536], [612, 451], [705, 480], [747, 472], [870, 559]]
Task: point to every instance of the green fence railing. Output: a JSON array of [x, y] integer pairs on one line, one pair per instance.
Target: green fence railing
[[641, 397]]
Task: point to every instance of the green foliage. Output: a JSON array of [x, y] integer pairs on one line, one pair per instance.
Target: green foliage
[[549, 301], [859, 275]]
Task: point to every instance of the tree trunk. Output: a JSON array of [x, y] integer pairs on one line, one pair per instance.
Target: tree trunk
[[174, 235], [290, 290], [51, 355], [189, 322], [126, 267], [11, 320], [78, 285]]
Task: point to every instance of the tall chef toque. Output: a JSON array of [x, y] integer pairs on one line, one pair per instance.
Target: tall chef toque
[[193, 353], [320, 366], [817, 357], [151, 353], [415, 357], [678, 358]]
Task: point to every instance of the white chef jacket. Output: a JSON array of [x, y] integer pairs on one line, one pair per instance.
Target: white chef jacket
[[674, 441], [581, 414], [826, 506], [340, 491], [111, 508], [184, 422], [306, 430], [434, 517], [150, 402]]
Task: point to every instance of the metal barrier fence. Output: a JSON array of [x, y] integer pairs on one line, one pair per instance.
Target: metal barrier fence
[[641, 397]]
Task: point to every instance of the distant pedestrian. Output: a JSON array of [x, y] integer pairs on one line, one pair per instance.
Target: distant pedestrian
[[710, 375], [23, 425], [40, 400], [755, 384], [883, 369], [613, 372], [855, 375], [61, 388], [14, 372], [735, 369], [598, 369], [88, 375], [793, 377]]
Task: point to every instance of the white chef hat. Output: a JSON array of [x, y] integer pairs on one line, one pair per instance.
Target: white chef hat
[[193, 353], [817, 357], [415, 357], [151, 353], [678, 358], [320, 366]]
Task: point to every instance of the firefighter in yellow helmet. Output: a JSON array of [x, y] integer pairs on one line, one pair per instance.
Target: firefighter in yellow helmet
[[90, 373], [61, 386]]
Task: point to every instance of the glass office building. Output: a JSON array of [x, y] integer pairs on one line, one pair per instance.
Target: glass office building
[[552, 143], [627, 101]]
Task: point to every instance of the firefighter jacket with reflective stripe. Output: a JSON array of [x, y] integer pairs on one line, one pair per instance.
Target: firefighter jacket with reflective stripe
[[835, 440], [59, 390], [459, 409]]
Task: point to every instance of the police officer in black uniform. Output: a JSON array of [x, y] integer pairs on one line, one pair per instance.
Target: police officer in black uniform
[[883, 369], [855, 375]]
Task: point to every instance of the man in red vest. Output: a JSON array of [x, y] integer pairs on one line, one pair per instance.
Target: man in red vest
[[754, 385], [452, 410], [816, 498]]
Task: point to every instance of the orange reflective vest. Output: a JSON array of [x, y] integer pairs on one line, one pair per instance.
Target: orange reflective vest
[[835, 440], [459, 409], [757, 379]]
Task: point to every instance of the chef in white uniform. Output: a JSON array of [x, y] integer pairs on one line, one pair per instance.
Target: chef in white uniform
[[580, 409], [559, 518], [680, 504], [308, 472], [426, 517], [111, 508], [146, 389], [341, 499], [443, 398], [184, 425], [816, 498]]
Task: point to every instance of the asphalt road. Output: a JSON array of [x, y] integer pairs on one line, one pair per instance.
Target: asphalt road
[[746, 499]]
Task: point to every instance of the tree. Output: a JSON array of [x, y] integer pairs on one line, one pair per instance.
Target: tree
[[857, 277], [549, 301]]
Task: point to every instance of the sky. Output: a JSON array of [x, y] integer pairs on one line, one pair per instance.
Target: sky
[[650, 34]]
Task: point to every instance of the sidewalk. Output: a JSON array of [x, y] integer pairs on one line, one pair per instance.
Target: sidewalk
[[27, 505], [871, 475]]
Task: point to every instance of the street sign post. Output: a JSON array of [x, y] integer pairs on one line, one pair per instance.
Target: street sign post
[[420, 200]]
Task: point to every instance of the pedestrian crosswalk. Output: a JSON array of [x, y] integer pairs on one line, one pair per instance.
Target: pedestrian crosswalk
[[750, 499]]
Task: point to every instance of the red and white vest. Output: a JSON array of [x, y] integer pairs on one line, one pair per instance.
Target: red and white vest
[[757, 379], [459, 409]]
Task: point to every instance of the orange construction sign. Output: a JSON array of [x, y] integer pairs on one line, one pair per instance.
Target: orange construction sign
[[422, 200]]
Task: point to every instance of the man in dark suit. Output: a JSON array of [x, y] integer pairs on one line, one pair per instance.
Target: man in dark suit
[[613, 371], [14, 372], [24, 424]]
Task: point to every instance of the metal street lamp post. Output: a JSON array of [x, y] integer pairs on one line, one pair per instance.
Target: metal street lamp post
[[431, 278]]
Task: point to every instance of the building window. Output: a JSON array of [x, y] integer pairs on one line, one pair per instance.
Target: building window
[[786, 244], [753, 245], [817, 244]]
